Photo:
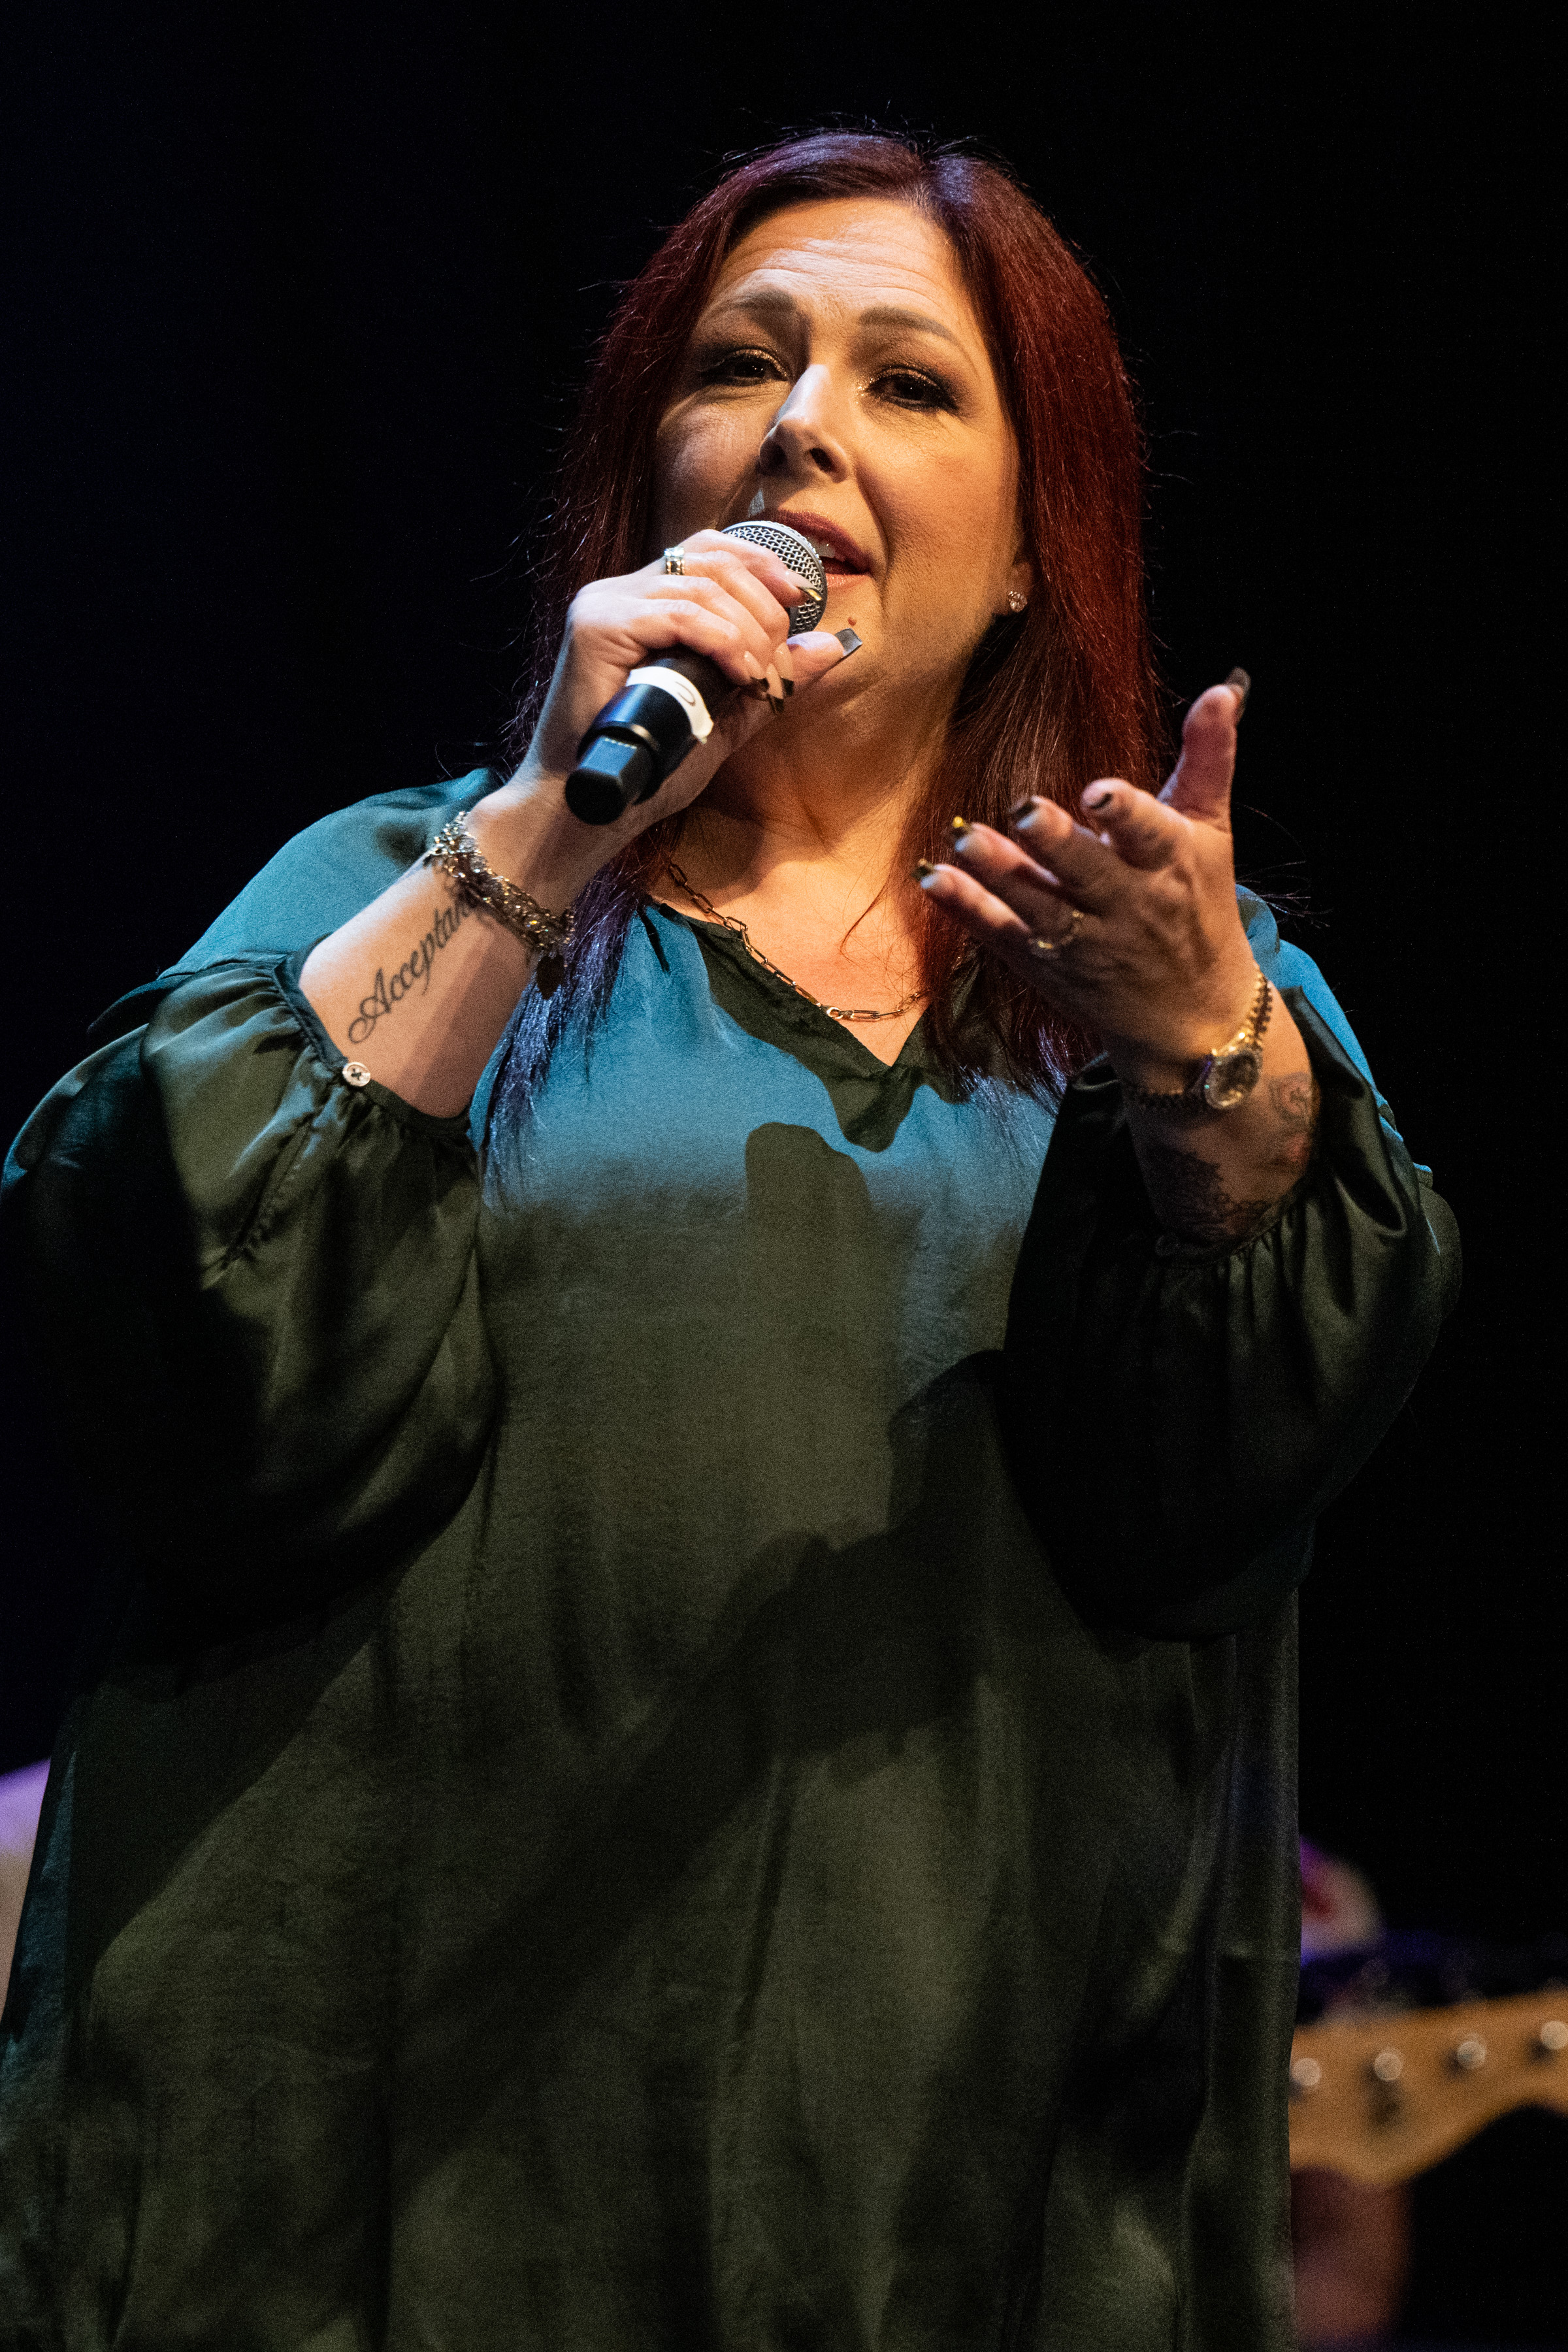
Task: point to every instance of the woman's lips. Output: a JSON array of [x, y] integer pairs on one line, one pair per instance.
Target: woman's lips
[[841, 558]]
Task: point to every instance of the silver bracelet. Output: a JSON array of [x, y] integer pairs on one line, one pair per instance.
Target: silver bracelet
[[459, 857]]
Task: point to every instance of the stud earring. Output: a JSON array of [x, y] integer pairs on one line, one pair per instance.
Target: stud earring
[[1016, 599]]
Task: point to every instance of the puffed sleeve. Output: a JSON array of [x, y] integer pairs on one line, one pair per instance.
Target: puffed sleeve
[[1176, 1417], [253, 1289]]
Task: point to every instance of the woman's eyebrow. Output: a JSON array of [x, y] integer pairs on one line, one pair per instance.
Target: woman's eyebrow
[[765, 301], [887, 314], [777, 302]]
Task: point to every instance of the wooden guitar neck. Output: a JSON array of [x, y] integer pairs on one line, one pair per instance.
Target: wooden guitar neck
[[1380, 2098]]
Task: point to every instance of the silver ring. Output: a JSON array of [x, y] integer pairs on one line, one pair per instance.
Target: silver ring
[[1044, 947], [675, 560]]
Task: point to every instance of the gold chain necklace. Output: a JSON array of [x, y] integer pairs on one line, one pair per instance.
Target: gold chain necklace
[[733, 923]]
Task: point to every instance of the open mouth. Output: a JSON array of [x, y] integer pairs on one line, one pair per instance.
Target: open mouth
[[841, 558]]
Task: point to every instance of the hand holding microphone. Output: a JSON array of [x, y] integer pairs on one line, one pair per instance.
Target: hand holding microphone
[[668, 705], [696, 636]]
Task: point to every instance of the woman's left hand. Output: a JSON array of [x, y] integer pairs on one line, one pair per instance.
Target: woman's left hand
[[1153, 954], [1131, 925]]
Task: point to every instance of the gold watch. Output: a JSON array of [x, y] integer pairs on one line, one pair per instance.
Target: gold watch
[[1222, 1078]]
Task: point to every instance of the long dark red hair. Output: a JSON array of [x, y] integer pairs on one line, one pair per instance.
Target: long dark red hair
[[1063, 694]]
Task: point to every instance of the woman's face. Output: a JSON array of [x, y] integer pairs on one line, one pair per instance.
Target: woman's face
[[838, 380]]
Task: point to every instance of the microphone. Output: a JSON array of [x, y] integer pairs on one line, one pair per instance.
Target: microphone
[[667, 706]]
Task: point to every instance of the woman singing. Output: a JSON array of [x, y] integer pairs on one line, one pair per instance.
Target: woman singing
[[696, 1746]]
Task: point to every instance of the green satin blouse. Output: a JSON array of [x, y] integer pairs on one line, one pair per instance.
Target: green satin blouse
[[692, 1742]]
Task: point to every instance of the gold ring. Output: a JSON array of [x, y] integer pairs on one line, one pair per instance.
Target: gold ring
[[675, 560], [1044, 947]]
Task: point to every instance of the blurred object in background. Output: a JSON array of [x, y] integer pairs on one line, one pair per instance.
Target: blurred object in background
[[1352, 2258], [1451, 2010], [21, 1794], [1352, 2241], [1339, 1909]]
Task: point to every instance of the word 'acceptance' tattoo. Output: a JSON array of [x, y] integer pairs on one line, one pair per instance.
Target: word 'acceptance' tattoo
[[416, 968], [1189, 1191]]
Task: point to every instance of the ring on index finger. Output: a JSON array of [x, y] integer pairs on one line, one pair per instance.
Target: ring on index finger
[[675, 560], [1041, 947]]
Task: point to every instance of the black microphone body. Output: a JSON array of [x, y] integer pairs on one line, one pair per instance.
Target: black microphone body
[[668, 705]]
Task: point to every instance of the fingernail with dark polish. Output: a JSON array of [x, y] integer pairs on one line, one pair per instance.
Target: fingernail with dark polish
[[1023, 808], [849, 641], [1240, 685], [1097, 795], [960, 825], [922, 870]]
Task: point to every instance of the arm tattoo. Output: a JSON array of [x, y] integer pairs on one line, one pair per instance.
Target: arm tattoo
[[1190, 1196], [1189, 1191], [414, 967], [1295, 1101]]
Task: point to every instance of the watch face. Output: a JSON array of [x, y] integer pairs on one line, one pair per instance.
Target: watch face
[[1231, 1078]]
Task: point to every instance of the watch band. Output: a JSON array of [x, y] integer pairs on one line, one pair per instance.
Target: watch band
[[1222, 1078]]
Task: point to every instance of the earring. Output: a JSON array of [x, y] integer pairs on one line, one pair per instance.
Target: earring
[[1016, 599]]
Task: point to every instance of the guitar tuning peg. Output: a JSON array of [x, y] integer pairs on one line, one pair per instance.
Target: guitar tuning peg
[[1470, 2054], [1552, 2038]]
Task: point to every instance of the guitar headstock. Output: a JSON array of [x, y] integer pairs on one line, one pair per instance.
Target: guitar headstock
[[1380, 2098]]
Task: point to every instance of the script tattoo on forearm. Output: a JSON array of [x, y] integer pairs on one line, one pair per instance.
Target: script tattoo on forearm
[[1190, 1191], [412, 975]]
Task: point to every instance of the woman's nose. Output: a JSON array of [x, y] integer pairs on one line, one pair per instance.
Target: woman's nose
[[801, 439]]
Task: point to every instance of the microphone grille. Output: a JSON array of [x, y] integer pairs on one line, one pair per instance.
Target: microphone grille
[[803, 559]]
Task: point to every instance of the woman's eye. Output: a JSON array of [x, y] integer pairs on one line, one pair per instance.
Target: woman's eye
[[913, 388], [748, 366]]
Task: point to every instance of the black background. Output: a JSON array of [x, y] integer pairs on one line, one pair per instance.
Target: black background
[[300, 295]]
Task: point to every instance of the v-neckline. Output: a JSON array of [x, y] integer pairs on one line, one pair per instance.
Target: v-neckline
[[799, 1009]]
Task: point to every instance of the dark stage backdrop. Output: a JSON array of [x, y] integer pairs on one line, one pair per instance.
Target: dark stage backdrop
[[301, 295]]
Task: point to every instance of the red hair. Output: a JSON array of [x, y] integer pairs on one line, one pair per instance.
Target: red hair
[[1062, 694]]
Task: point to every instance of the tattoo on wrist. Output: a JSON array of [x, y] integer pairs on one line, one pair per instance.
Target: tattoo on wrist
[[1190, 1191], [1190, 1196], [412, 976], [1295, 1101]]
